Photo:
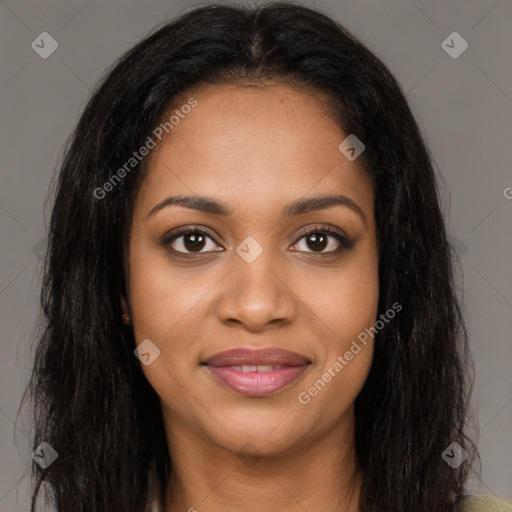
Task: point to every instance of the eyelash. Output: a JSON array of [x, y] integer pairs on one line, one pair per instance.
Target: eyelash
[[345, 243]]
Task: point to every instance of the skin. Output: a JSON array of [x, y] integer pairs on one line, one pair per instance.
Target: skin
[[255, 149]]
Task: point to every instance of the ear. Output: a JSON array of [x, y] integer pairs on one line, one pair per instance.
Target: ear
[[125, 309], [124, 306]]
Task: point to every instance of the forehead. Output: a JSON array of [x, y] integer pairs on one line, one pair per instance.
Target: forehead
[[272, 143]]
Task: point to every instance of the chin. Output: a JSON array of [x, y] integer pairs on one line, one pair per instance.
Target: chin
[[250, 438]]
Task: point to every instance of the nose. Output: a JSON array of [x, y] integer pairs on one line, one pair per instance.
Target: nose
[[256, 296]]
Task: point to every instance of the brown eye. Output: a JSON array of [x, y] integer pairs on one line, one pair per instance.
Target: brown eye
[[189, 241], [317, 241]]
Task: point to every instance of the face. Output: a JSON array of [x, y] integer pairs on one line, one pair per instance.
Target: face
[[252, 277]]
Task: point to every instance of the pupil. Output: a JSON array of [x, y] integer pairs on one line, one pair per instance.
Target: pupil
[[318, 241], [197, 240]]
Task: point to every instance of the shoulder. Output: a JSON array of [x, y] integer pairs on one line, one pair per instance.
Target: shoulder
[[484, 504]]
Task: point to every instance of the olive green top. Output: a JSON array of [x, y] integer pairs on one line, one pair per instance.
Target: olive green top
[[485, 504]]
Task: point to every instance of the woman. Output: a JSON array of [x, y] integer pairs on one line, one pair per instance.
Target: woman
[[249, 295]]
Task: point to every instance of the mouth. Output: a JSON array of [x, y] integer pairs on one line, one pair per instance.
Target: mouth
[[257, 372]]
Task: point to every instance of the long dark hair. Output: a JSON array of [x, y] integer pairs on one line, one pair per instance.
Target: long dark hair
[[91, 400]]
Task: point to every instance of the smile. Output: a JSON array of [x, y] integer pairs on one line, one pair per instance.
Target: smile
[[257, 372]]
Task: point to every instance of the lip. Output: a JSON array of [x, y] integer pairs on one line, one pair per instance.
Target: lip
[[257, 383], [270, 356]]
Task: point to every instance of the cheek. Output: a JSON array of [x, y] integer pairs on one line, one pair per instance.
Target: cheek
[[347, 300], [163, 302], [355, 301], [347, 306], [169, 307], [162, 295], [345, 351]]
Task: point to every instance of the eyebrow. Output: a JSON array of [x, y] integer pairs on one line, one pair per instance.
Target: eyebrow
[[301, 206]]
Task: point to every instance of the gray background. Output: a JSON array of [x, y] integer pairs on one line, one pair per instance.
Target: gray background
[[463, 105]]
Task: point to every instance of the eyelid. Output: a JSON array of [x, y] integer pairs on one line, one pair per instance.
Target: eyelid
[[327, 228]]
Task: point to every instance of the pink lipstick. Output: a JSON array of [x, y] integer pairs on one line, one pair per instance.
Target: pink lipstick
[[257, 372]]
